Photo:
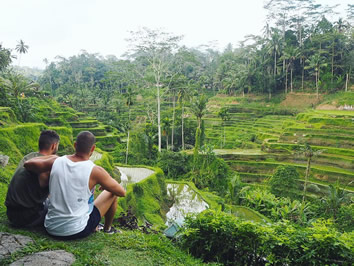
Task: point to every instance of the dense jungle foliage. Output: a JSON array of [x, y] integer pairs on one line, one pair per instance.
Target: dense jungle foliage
[[267, 126]]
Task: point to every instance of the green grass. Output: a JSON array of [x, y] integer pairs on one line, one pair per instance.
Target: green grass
[[341, 113], [340, 98], [85, 123], [97, 131], [325, 174], [147, 199], [128, 248]]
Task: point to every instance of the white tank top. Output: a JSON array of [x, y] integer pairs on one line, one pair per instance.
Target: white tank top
[[69, 194]]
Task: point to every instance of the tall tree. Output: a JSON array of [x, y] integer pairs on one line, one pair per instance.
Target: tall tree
[[315, 62], [5, 57], [21, 48], [225, 116], [184, 93], [199, 108], [129, 102], [156, 47], [166, 126], [290, 55], [309, 153]]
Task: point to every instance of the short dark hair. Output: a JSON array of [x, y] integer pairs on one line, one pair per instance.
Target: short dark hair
[[84, 142], [47, 138]]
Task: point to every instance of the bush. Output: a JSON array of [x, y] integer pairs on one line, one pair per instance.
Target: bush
[[174, 164], [210, 172], [276, 208], [284, 181], [216, 236], [344, 219]]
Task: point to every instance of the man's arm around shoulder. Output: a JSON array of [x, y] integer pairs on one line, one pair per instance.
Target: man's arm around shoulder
[[101, 176], [41, 164]]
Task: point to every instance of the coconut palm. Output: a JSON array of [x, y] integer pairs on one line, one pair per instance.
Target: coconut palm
[[315, 62], [166, 126], [308, 152], [184, 93], [199, 108], [336, 197], [129, 96], [225, 116], [18, 85], [21, 48], [291, 53]]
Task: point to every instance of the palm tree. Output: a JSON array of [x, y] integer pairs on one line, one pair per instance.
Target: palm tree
[[315, 62], [166, 125], [129, 95], [21, 48], [199, 108], [17, 85], [275, 49], [225, 116], [336, 197], [308, 152], [290, 54], [184, 93]]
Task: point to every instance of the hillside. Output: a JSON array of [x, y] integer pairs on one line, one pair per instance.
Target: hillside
[[260, 136], [18, 139]]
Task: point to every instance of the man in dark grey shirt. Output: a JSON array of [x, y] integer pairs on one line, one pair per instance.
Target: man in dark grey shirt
[[27, 192]]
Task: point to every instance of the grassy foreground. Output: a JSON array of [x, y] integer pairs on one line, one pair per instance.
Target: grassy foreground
[[127, 248]]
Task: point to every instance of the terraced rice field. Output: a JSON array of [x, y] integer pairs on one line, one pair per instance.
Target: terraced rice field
[[254, 143]]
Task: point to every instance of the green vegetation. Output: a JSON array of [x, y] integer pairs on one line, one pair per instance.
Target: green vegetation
[[216, 236], [264, 130], [147, 199], [284, 181], [134, 247]]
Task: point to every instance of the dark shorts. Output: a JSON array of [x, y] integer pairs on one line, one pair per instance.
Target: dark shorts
[[93, 221], [27, 217]]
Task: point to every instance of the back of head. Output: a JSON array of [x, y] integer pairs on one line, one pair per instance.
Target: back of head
[[84, 142], [47, 138]]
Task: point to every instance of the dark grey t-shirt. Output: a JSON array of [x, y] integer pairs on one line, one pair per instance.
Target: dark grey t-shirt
[[24, 191]]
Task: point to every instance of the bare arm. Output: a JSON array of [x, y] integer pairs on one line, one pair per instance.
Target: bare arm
[[41, 164], [101, 177]]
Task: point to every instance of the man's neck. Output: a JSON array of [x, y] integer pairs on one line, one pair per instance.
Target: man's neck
[[44, 153], [78, 157]]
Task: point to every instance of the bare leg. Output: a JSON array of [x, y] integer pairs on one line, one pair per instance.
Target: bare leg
[[106, 203], [108, 218]]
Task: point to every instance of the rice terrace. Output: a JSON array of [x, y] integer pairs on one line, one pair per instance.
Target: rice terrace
[[236, 156]]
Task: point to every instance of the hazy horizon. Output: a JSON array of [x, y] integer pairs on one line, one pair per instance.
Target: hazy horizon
[[65, 28]]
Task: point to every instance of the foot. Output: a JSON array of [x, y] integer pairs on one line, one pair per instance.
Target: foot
[[112, 231], [99, 227]]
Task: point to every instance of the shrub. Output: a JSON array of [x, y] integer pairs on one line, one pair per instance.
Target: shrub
[[217, 236], [284, 181], [276, 208], [210, 172], [344, 219], [174, 164]]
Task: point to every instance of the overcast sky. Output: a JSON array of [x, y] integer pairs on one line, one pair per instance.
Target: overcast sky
[[64, 27]]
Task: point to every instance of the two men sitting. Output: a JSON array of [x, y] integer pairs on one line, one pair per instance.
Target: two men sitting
[[72, 212]]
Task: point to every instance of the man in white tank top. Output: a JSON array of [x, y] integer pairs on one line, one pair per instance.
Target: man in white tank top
[[71, 186]]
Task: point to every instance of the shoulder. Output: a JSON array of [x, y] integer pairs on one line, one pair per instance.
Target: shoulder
[[99, 172], [31, 155], [27, 157]]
